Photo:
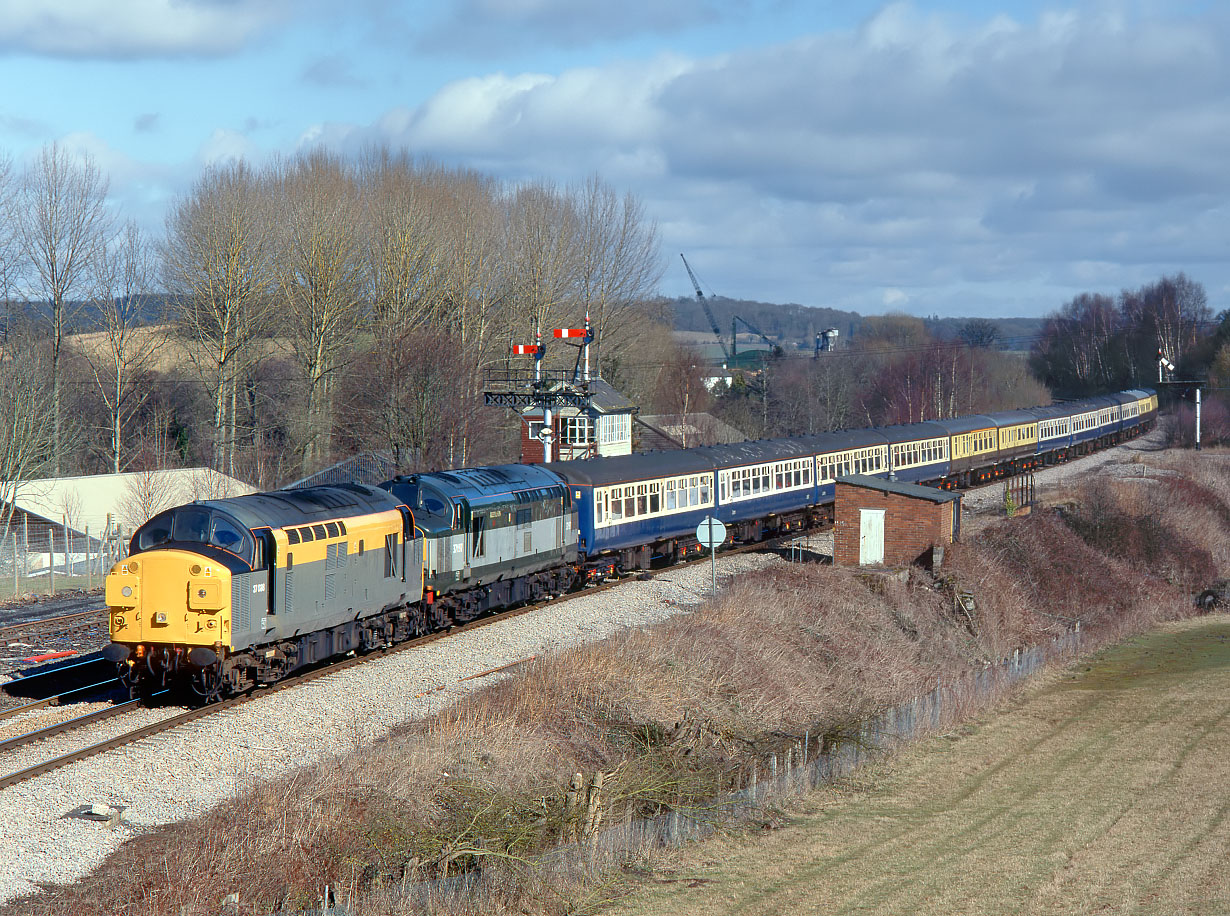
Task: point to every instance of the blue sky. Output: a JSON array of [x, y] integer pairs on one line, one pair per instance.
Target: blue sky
[[955, 158]]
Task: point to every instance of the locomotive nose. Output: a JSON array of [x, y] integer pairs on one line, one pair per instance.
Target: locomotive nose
[[169, 596]]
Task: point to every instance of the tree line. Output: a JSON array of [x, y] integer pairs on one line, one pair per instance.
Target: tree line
[[303, 310], [296, 313]]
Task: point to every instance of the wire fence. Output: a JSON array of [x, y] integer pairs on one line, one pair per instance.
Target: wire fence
[[48, 560], [800, 766]]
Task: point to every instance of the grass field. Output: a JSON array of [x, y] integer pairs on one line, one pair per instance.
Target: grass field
[[1103, 789]]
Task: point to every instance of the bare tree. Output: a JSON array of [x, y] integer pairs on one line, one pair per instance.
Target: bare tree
[[11, 261], [1166, 315], [145, 495], [27, 428], [120, 363], [1080, 349], [475, 292], [541, 248], [619, 264], [319, 271], [62, 222], [217, 263]]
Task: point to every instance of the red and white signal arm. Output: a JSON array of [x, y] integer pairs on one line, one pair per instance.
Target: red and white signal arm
[[570, 332], [525, 349]]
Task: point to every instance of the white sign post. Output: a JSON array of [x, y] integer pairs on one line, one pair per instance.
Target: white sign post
[[711, 532]]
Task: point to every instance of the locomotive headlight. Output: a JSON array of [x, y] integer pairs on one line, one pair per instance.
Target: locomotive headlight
[[126, 591], [160, 617], [200, 593]]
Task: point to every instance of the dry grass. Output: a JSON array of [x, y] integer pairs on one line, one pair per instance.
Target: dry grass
[[672, 714], [1102, 791]]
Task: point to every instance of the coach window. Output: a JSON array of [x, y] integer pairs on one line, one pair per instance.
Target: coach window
[[642, 501], [655, 498], [617, 511], [704, 490], [629, 503]]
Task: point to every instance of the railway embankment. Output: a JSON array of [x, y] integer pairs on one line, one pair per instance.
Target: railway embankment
[[671, 716]]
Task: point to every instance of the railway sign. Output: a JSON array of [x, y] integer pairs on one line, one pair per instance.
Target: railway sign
[[710, 532]]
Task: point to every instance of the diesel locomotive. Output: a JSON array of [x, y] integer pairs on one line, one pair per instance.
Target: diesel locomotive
[[222, 595]]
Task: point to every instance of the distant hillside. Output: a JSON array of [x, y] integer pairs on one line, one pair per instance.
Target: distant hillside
[[788, 325], [796, 326]]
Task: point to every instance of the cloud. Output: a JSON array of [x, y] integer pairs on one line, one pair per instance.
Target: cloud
[[478, 27], [895, 297], [99, 29], [224, 145], [994, 161], [146, 123], [332, 72]]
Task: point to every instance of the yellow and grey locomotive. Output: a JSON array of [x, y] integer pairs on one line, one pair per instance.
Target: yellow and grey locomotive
[[226, 594]]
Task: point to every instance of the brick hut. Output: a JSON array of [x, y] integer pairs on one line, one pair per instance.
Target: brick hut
[[885, 523]]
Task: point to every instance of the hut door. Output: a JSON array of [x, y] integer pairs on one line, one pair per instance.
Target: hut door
[[870, 537]]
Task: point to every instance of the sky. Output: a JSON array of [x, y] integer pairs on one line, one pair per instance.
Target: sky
[[939, 157]]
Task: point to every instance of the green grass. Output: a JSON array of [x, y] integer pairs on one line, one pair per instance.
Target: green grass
[[1102, 790]]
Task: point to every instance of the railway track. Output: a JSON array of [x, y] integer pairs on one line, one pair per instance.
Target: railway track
[[146, 730], [191, 715]]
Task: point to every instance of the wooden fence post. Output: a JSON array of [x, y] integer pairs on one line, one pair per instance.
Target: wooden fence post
[[51, 555], [593, 806], [572, 799]]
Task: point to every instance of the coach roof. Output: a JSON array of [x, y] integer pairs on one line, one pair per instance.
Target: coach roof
[[600, 472]]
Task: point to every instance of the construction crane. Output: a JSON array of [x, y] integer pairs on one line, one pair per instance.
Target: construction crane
[[708, 311], [774, 347]]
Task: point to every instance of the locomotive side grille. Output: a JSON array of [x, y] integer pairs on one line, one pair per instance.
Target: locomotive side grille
[[240, 606], [290, 591], [329, 588]]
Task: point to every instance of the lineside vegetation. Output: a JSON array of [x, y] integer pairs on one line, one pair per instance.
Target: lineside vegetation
[[673, 715]]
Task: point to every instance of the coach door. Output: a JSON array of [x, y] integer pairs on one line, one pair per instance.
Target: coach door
[[870, 537]]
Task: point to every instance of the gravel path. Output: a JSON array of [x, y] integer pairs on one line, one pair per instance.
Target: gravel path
[[187, 771]]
